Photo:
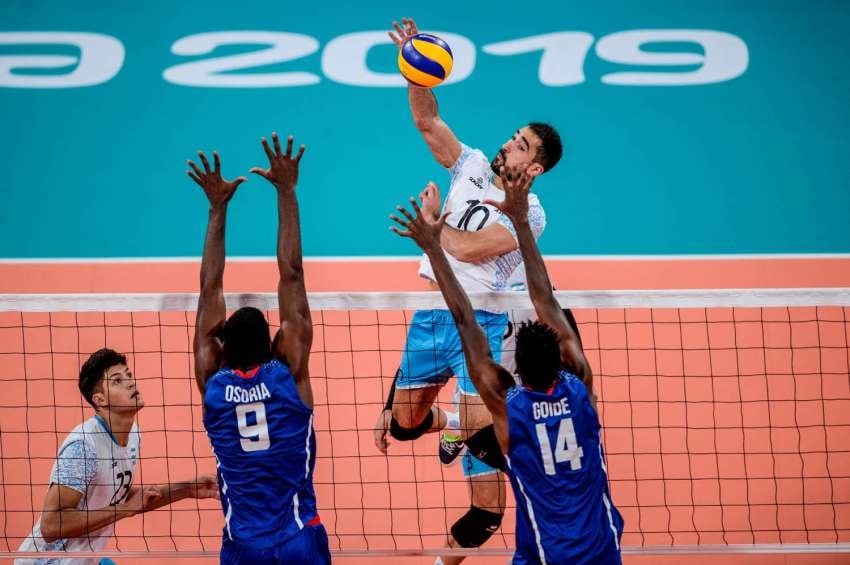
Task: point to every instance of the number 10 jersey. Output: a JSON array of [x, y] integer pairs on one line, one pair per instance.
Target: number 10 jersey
[[472, 184], [262, 436]]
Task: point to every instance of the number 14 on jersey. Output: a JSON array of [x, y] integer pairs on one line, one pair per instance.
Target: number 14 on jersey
[[566, 446]]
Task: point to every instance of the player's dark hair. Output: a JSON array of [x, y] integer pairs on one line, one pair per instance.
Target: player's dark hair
[[94, 370], [538, 356], [551, 149], [246, 339]]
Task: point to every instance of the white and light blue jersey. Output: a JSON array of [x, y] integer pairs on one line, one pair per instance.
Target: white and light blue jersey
[[91, 462], [557, 469], [472, 184], [262, 436]]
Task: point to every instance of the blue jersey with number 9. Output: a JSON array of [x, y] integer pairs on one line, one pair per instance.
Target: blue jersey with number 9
[[557, 469], [262, 436]]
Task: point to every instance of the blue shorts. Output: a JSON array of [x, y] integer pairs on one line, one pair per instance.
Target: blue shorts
[[433, 352], [610, 557], [307, 547]]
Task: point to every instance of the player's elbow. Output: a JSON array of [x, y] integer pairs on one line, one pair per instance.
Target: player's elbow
[[425, 124], [468, 253], [291, 272], [50, 526]]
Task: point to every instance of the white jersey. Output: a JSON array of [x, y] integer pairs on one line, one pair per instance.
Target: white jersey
[[91, 462], [471, 184]]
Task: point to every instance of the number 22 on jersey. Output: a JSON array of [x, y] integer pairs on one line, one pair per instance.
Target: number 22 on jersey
[[566, 446]]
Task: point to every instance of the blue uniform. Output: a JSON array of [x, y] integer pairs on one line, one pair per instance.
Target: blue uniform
[[557, 469], [262, 436]]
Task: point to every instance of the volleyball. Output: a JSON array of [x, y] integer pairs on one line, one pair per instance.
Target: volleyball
[[425, 60]]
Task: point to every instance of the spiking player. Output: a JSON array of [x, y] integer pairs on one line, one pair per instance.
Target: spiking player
[[547, 426], [91, 485], [483, 253], [258, 402]]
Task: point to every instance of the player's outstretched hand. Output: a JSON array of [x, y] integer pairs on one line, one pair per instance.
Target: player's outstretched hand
[[218, 191], [283, 167], [405, 31], [516, 184], [206, 486], [425, 232]]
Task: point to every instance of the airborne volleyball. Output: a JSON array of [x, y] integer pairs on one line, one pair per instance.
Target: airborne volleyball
[[425, 60]]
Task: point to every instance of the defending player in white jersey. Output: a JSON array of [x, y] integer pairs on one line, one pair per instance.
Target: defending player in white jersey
[[483, 253], [91, 485], [546, 425]]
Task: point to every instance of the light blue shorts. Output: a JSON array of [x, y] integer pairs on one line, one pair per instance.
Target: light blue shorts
[[475, 467], [433, 351]]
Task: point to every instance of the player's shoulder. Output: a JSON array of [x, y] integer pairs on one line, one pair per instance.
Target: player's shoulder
[[470, 158], [572, 385], [514, 394]]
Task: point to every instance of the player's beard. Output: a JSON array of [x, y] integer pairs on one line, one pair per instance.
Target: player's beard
[[498, 161]]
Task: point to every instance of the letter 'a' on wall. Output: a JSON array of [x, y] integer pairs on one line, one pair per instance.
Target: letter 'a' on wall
[[281, 47], [725, 56], [100, 59], [344, 59]]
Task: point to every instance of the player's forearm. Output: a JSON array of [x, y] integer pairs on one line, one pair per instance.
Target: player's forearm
[[423, 106], [172, 492], [537, 278], [289, 253], [475, 343], [461, 246], [64, 524], [212, 261]]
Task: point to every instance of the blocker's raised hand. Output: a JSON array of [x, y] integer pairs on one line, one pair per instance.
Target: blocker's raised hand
[[218, 190], [425, 232], [283, 167]]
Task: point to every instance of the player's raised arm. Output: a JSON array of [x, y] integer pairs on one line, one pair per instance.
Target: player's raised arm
[[490, 379], [515, 205], [423, 105], [293, 343], [211, 308]]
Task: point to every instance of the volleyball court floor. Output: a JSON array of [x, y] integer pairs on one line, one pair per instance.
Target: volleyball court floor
[[721, 426]]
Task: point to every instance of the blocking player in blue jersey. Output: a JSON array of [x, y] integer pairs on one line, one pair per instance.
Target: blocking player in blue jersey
[[258, 403], [547, 426]]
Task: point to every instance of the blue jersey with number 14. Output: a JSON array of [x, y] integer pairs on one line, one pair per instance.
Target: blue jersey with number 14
[[262, 436], [557, 469]]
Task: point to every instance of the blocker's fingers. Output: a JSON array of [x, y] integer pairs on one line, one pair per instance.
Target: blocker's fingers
[[399, 221], [204, 161], [404, 211], [289, 141], [195, 168], [407, 233], [194, 177], [216, 163], [415, 206], [267, 149], [276, 142], [300, 153]]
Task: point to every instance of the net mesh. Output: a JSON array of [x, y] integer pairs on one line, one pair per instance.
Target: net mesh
[[725, 415]]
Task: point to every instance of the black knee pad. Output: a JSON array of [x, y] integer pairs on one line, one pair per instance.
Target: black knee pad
[[407, 434], [484, 446], [475, 527]]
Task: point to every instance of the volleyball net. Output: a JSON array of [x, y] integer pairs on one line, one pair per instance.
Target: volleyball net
[[725, 417]]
